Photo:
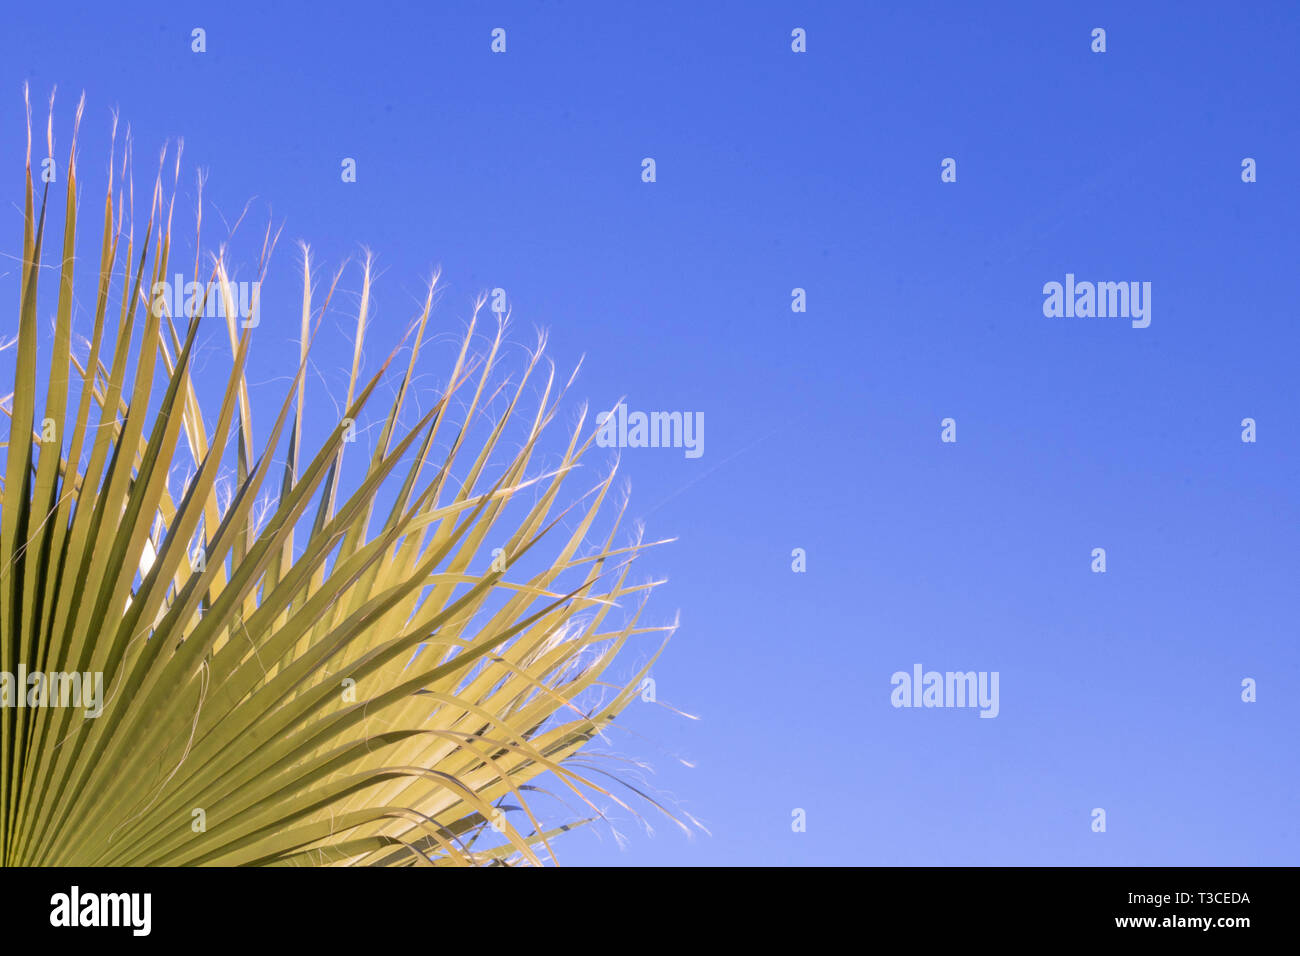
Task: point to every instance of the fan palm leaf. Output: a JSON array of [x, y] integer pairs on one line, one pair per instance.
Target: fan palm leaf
[[293, 673]]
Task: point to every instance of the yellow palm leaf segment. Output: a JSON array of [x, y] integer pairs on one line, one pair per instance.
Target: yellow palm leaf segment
[[362, 653]]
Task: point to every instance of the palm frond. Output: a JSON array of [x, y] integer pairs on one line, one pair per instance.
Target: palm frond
[[293, 672]]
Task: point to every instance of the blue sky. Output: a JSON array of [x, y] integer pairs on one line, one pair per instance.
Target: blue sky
[[821, 170]]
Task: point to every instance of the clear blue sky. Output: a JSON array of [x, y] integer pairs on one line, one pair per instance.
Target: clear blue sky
[[821, 170]]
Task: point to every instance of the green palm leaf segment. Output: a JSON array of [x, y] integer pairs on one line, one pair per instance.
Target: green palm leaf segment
[[293, 673]]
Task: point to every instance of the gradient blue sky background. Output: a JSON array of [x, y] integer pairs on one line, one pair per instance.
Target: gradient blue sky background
[[821, 170]]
